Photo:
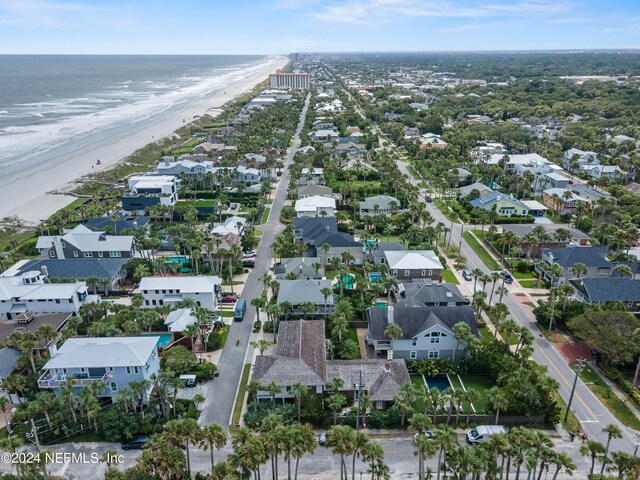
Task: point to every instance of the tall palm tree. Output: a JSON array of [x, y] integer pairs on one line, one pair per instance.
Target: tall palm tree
[[342, 439], [373, 454], [299, 391], [212, 437], [445, 439], [305, 442], [612, 431], [498, 400], [593, 450], [579, 269]]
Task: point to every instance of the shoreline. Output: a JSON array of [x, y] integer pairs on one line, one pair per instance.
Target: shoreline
[[25, 194]]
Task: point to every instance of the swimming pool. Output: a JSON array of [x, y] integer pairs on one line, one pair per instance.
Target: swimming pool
[[440, 382], [164, 339], [181, 260], [374, 278]]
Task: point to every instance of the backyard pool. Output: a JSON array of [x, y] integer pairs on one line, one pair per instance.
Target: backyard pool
[[164, 339], [180, 260], [374, 278], [440, 382], [347, 281]]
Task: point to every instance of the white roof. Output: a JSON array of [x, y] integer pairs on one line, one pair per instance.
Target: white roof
[[89, 241], [560, 193], [412, 259], [180, 319], [534, 205], [202, 283], [103, 352], [230, 225], [151, 181], [518, 159], [314, 202]]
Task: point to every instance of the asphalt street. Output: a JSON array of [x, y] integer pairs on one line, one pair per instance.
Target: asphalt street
[[221, 394]]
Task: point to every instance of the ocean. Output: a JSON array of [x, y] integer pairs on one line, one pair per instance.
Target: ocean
[[52, 105]]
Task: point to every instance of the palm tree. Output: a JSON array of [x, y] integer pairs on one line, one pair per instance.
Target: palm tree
[[636, 340], [476, 272], [592, 449], [305, 442], [342, 439], [212, 437], [562, 461], [11, 444], [461, 332], [258, 303], [612, 431], [261, 345], [623, 270], [579, 269], [393, 332], [444, 439], [273, 388], [299, 391], [335, 402], [373, 454], [307, 308], [191, 332], [360, 441], [498, 400], [252, 390], [326, 293]]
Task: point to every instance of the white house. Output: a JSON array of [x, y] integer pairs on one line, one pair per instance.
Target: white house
[[233, 225], [315, 206], [28, 292], [583, 158], [115, 362], [149, 190], [178, 320], [158, 291]]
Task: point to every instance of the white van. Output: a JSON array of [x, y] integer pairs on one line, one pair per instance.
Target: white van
[[483, 433]]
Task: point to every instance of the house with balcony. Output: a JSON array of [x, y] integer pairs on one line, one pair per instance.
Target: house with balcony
[[203, 289], [574, 157], [603, 291], [315, 206], [379, 204], [80, 242], [563, 200], [112, 362], [325, 241], [30, 292], [300, 291], [149, 190], [594, 258], [504, 204], [406, 265], [427, 331], [300, 358]]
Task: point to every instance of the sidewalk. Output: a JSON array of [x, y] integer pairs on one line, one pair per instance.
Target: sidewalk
[[619, 393]]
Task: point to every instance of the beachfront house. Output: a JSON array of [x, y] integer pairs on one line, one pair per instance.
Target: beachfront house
[[149, 190], [28, 292], [114, 362], [427, 332], [203, 289], [81, 242]]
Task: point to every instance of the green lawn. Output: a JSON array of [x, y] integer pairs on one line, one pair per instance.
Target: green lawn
[[572, 424], [418, 382], [512, 340], [196, 203], [265, 215], [330, 274], [242, 392], [487, 336], [438, 202], [353, 335], [608, 398], [449, 277], [481, 383], [486, 258], [530, 284], [520, 275]]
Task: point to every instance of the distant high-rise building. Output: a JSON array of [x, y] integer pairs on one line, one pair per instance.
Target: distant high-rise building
[[298, 80]]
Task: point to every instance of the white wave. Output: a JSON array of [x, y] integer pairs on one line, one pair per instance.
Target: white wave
[[4, 112], [36, 114]]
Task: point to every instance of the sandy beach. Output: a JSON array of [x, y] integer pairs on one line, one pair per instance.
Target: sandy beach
[[25, 193]]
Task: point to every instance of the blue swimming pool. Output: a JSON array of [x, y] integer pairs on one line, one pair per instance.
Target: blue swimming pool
[[374, 277], [441, 382], [163, 338], [180, 260]]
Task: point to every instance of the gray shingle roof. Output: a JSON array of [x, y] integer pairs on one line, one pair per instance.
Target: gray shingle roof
[[8, 358], [429, 291], [380, 378], [302, 266], [297, 291], [608, 289], [414, 317], [489, 199], [124, 222], [299, 358], [323, 230], [383, 202], [78, 268], [591, 256]]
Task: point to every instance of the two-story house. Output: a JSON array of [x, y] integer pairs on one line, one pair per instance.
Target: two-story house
[[607, 290], [29, 292], [149, 190], [431, 293], [300, 358], [325, 241], [406, 265], [563, 200], [379, 204], [203, 289], [301, 291], [594, 258], [574, 157], [114, 362], [504, 204], [427, 332], [315, 206], [304, 268], [80, 242]]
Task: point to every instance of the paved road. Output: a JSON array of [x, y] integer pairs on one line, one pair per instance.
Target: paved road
[[398, 452], [221, 395], [592, 414]]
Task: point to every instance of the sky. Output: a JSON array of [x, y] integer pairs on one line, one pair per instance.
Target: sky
[[285, 26]]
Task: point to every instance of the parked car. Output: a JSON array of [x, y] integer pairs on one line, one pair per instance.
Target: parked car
[[248, 263], [322, 439], [428, 199], [467, 275], [507, 277], [136, 443], [241, 308], [483, 433], [189, 380], [426, 433], [249, 254], [229, 299]]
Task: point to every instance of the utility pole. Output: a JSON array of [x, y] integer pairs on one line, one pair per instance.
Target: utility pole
[[579, 367], [34, 434], [552, 294], [461, 233], [359, 397]]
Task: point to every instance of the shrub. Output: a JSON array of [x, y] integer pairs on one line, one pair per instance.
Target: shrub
[[204, 371], [257, 326], [116, 425], [253, 418], [216, 339], [269, 325], [522, 267]]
